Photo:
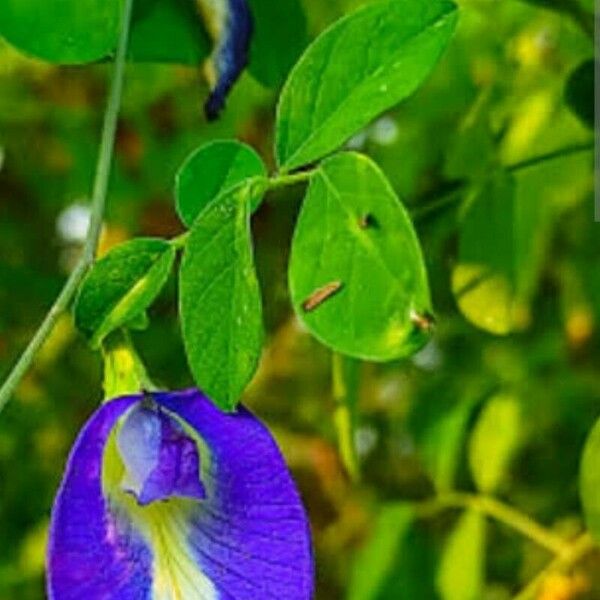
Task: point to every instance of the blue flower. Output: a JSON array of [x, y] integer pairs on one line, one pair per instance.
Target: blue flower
[[167, 498], [229, 23]]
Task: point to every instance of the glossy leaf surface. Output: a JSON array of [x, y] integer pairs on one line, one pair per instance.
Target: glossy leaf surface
[[121, 286], [357, 275], [220, 302], [211, 170], [363, 65]]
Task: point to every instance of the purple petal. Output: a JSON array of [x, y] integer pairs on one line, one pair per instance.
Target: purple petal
[[251, 535], [230, 22], [247, 540], [160, 460], [91, 555]]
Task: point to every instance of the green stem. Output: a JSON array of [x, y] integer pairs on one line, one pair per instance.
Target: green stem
[[280, 181], [345, 393], [98, 204], [502, 513], [124, 371], [560, 153], [454, 194], [566, 559]]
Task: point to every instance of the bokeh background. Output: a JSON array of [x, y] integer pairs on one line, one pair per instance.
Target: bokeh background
[[497, 97]]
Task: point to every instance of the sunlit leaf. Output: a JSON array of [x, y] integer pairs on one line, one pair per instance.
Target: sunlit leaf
[[212, 170], [357, 275], [122, 285], [497, 254], [81, 31], [397, 560], [375, 560], [589, 484], [220, 303], [461, 574], [360, 67], [494, 441], [67, 32], [279, 38], [579, 92], [444, 442]]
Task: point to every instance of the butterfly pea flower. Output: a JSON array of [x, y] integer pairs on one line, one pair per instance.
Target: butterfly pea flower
[[229, 23], [165, 497]]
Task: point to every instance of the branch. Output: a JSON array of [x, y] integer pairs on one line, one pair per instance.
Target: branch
[[569, 557], [451, 191], [503, 513], [97, 213]]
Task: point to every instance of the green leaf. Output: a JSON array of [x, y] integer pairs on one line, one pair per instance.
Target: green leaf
[[444, 443], [373, 564], [579, 92], [62, 31], [461, 574], [168, 31], [498, 239], [279, 38], [121, 285], [82, 31], [494, 441], [220, 302], [589, 482], [360, 67], [357, 275], [211, 170]]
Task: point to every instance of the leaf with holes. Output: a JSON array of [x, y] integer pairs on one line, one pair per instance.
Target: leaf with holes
[[357, 274]]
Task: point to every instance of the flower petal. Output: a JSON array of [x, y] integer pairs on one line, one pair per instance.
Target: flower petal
[[160, 460], [230, 24], [251, 534], [89, 556], [247, 539]]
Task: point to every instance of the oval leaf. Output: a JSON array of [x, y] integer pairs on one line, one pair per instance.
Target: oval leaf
[[375, 560], [579, 92], [121, 285], [494, 441], [212, 170], [589, 484], [81, 31], [220, 302], [360, 67], [66, 32], [279, 38], [461, 574], [357, 275], [499, 242]]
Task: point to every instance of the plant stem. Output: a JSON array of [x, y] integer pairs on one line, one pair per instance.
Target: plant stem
[[503, 513], [453, 191], [345, 393], [560, 153], [98, 204], [566, 559], [280, 181]]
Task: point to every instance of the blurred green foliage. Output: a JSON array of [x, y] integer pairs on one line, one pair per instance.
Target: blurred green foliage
[[497, 99]]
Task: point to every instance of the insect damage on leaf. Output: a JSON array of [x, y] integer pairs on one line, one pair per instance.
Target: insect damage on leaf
[[229, 23], [423, 321], [322, 295]]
